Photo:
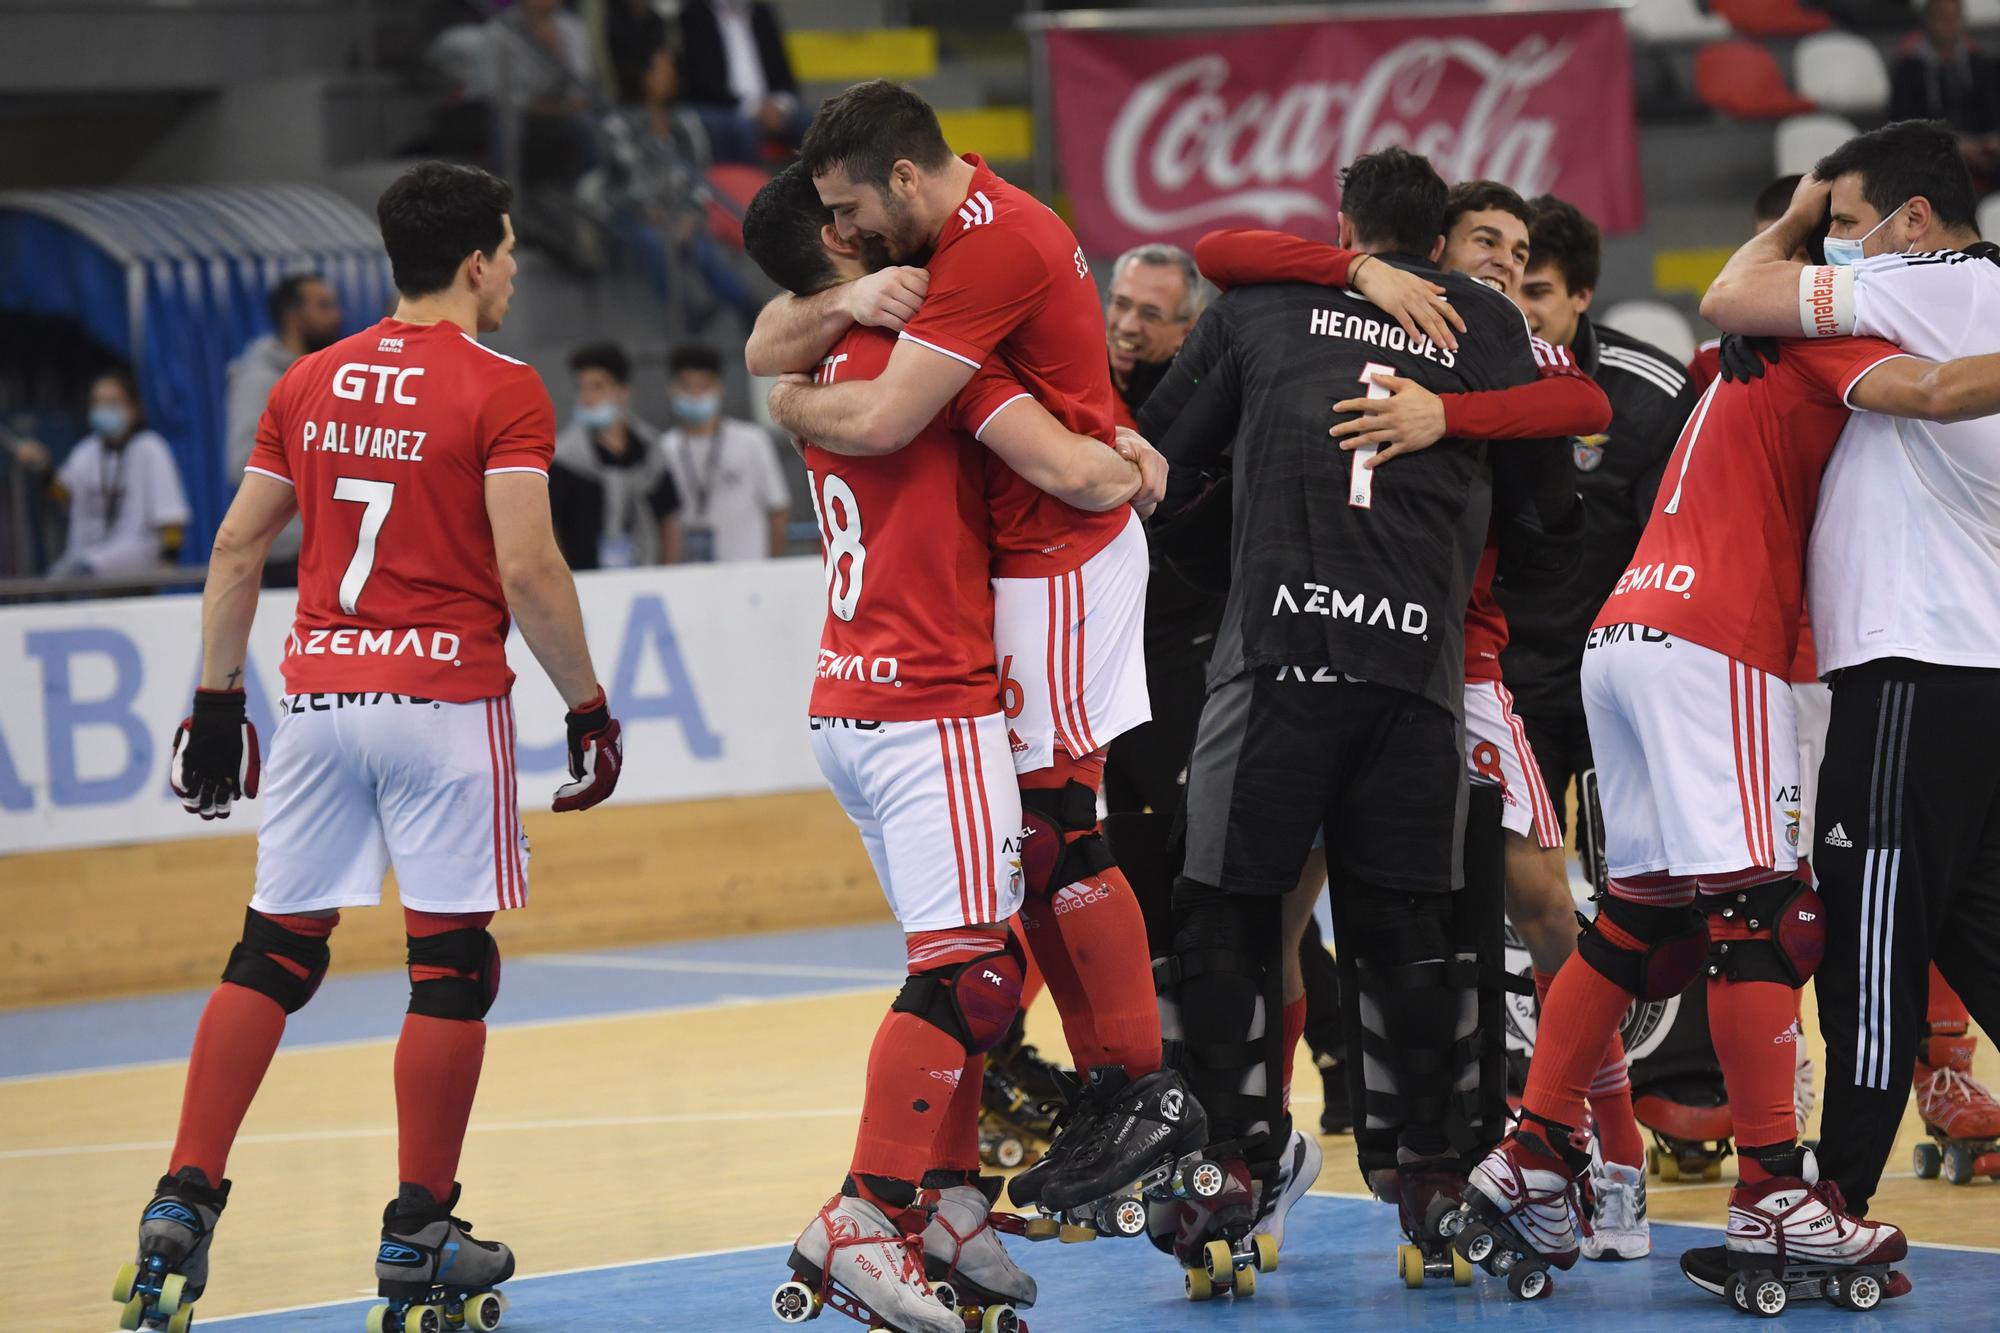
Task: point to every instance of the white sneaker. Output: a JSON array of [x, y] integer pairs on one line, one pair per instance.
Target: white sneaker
[[861, 1250], [1618, 1226], [961, 1247], [1297, 1171]]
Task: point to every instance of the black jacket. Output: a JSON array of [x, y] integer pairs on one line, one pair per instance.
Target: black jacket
[[1617, 474], [705, 65]]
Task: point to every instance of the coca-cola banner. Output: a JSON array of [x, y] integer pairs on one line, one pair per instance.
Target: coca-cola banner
[[1166, 137]]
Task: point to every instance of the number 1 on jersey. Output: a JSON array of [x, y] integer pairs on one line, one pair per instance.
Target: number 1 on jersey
[[1361, 482], [377, 496]]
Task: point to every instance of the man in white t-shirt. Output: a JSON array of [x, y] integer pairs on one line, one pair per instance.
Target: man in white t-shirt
[[735, 501], [1904, 586]]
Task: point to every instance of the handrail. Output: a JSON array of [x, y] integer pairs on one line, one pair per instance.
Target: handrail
[[92, 585]]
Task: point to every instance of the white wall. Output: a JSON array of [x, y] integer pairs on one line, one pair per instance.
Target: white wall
[[708, 668]]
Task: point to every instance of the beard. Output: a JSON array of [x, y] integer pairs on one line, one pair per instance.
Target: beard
[[903, 239], [875, 253]]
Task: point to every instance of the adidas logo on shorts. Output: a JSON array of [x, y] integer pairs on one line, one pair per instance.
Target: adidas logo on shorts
[[1837, 837]]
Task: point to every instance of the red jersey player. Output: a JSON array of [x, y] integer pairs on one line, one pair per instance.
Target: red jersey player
[[419, 460], [907, 726], [1007, 280], [1699, 630]]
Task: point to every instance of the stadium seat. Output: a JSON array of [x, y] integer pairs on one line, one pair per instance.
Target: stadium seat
[[1770, 18], [1673, 21], [1655, 322], [1742, 80], [731, 188], [1842, 73], [1988, 218], [1801, 141]]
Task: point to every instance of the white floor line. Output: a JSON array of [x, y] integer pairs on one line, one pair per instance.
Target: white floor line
[[723, 1002]]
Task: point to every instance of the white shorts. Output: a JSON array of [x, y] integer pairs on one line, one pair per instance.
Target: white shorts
[[938, 811], [1073, 653], [356, 783], [1812, 702], [1697, 757], [1496, 747]]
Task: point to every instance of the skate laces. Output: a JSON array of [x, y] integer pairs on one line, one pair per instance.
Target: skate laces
[[1949, 1084]]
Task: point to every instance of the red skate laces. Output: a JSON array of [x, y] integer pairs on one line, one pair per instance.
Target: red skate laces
[[844, 1234], [1949, 1098]]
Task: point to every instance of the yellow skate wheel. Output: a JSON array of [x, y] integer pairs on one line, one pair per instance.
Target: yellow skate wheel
[[1410, 1263], [999, 1319], [1041, 1228], [128, 1277], [1461, 1271], [1217, 1259], [1246, 1283], [1199, 1287], [1267, 1253], [182, 1318], [133, 1314], [171, 1288], [1652, 1161], [1712, 1171], [1074, 1235], [423, 1319], [482, 1312], [1670, 1167], [378, 1319]]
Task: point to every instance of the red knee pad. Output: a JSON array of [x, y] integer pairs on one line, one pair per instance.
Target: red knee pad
[[965, 985]]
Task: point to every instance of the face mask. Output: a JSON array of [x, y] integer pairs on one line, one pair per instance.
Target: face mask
[[697, 407], [597, 416], [1844, 252], [109, 422]]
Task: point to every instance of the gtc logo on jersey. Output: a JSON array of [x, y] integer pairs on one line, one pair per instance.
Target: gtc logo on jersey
[[1674, 578], [976, 211], [1318, 599], [351, 382], [1587, 451]]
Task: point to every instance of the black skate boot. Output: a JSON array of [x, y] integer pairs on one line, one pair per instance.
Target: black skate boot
[[159, 1289], [1142, 1129], [431, 1270], [1071, 1112]]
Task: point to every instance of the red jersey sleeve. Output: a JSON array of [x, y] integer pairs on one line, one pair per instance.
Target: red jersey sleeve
[[983, 288], [1562, 402], [517, 424], [1835, 365], [267, 455], [991, 388], [1232, 258]]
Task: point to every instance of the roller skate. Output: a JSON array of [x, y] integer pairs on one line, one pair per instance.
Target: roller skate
[[1212, 1236], [1425, 1192], [1297, 1170], [1791, 1236], [1520, 1213], [1961, 1116], [1691, 1128], [422, 1245], [853, 1260], [160, 1287], [1016, 1115], [969, 1269], [1145, 1130]]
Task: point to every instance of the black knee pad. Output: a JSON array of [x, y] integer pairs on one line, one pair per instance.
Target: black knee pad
[[1221, 998], [250, 964], [1775, 931], [974, 1002], [1676, 940], [1049, 815], [473, 955]]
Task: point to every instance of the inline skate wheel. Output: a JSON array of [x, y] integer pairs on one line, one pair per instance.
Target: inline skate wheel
[[378, 1319], [1453, 1222], [1738, 1291], [1009, 1153], [1199, 1288], [1266, 1249], [482, 1312], [793, 1303], [423, 1319], [133, 1314], [1461, 1271], [947, 1295], [1480, 1247], [1530, 1282], [1206, 1180], [171, 1289], [1410, 1263], [1041, 1228], [1958, 1164], [1128, 1219], [999, 1319], [1246, 1283], [1926, 1161], [1863, 1292], [1217, 1259], [121, 1286], [1767, 1295]]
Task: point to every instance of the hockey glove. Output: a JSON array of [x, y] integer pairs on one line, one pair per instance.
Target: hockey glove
[[215, 757], [595, 755], [1743, 358]]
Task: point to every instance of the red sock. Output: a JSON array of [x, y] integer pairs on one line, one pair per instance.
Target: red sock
[[904, 1107], [233, 1046], [1295, 1031], [1754, 1024], [958, 1139], [1093, 954], [1579, 1015], [437, 1072], [1031, 972], [1611, 1108]]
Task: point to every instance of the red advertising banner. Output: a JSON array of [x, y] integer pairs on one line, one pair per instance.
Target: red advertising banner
[[1167, 137]]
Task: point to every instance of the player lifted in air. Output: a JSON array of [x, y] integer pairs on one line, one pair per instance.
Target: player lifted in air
[[419, 461], [1685, 683], [1007, 281]]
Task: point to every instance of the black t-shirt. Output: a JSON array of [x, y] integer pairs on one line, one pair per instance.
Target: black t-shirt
[[577, 497], [1377, 592]]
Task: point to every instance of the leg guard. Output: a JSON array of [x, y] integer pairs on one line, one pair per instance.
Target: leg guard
[[1426, 979], [1774, 931], [454, 975], [1675, 941], [1220, 1001], [973, 1000], [1050, 857], [274, 960]]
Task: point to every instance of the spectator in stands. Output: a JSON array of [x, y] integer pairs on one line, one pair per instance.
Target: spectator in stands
[[1156, 292], [1940, 75], [736, 75], [729, 472], [611, 492], [305, 316], [532, 60], [127, 512]]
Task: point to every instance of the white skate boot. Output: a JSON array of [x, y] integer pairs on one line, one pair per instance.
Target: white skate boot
[[962, 1251], [1297, 1171], [853, 1259], [1520, 1212], [1793, 1235], [1618, 1226]]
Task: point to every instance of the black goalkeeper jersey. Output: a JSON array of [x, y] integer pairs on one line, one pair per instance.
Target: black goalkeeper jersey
[[1375, 592]]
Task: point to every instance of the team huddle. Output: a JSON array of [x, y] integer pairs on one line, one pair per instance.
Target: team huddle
[[1383, 441]]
